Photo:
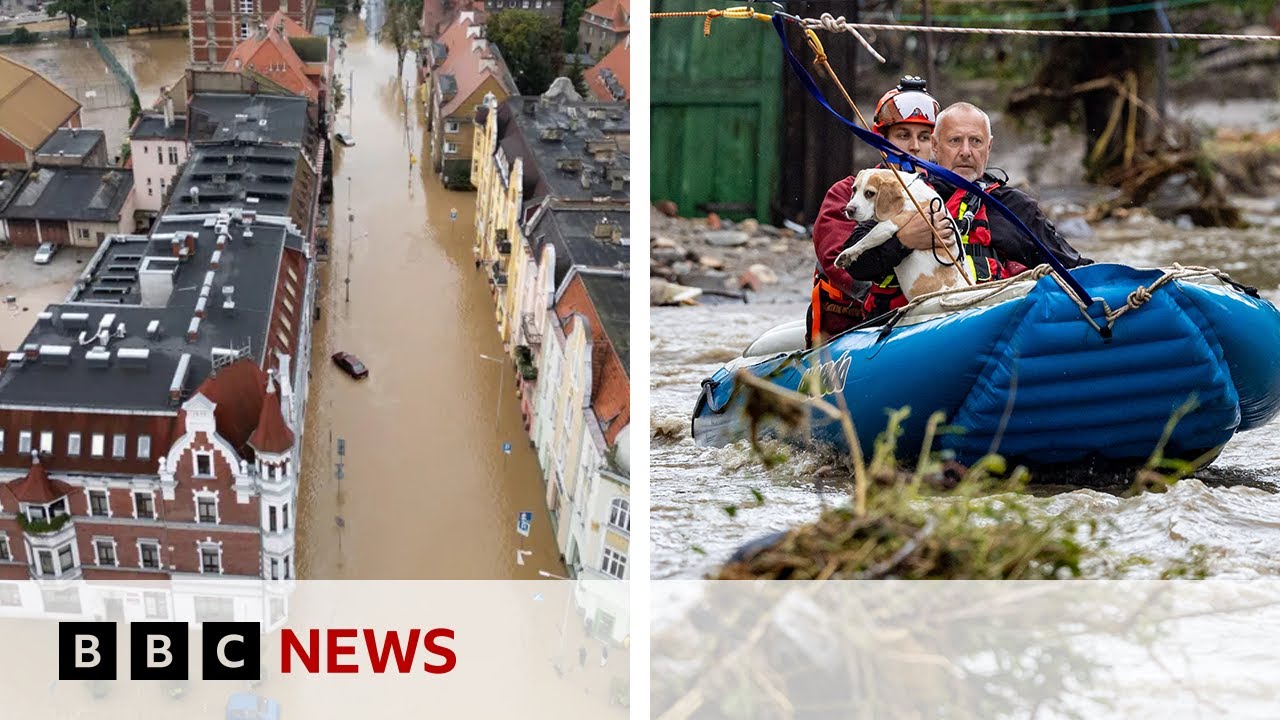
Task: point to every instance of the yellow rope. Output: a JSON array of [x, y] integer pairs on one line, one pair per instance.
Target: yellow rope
[[737, 13]]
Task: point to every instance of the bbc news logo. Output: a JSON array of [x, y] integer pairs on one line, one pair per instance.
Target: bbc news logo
[[233, 651], [159, 651]]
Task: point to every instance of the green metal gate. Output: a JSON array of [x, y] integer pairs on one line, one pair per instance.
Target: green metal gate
[[716, 104]]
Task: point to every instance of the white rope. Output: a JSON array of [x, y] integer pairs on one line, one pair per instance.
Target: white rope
[[839, 24]]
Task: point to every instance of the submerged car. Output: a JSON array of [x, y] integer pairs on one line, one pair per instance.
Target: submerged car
[[350, 364], [345, 139], [246, 706], [45, 253]]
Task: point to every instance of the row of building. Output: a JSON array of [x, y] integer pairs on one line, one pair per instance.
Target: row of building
[[459, 68], [151, 423], [552, 180]]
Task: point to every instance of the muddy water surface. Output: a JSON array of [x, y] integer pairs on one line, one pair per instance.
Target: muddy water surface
[[426, 490], [1229, 514]]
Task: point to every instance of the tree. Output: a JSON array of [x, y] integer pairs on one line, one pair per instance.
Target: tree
[[572, 17], [74, 9], [401, 26], [532, 45]]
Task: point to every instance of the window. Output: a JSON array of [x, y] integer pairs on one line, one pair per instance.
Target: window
[[24, 442], [149, 554], [146, 150], [99, 445], [285, 516], [84, 233], [271, 519], [117, 446], [207, 509], [275, 569], [144, 505], [211, 560], [46, 442], [148, 182], [173, 156], [1, 441], [5, 553], [37, 513], [244, 30], [149, 193], [73, 444], [286, 567], [620, 514], [66, 558], [451, 148], [10, 596], [144, 447], [204, 464], [105, 549], [57, 507], [246, 6], [614, 563], [155, 606], [98, 503], [215, 609], [46, 561], [451, 126]]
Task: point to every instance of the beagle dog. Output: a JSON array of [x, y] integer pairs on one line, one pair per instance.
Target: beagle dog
[[877, 194]]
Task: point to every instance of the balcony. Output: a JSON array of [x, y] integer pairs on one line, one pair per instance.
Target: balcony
[[497, 275], [529, 327], [525, 365], [43, 527], [503, 241]]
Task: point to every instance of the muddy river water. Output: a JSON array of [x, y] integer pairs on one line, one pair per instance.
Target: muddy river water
[[1228, 514]]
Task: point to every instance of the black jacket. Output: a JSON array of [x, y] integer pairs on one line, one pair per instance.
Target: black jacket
[[877, 263]]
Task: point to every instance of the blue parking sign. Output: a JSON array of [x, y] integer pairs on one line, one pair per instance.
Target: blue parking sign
[[524, 522], [506, 448]]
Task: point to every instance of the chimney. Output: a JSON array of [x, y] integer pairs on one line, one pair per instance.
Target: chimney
[[179, 378], [153, 329], [193, 330], [168, 109], [32, 351]]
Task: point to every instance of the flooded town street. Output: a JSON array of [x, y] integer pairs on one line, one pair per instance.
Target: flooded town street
[[1225, 515], [426, 491]]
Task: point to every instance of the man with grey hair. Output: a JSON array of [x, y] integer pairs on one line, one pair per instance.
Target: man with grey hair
[[994, 248]]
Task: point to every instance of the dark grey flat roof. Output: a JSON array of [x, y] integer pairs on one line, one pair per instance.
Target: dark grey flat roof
[[78, 194], [229, 175], [611, 296], [72, 142], [10, 181], [218, 117], [573, 232], [151, 127], [249, 265], [567, 144]]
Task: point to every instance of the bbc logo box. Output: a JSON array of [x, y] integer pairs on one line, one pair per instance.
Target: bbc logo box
[[160, 651]]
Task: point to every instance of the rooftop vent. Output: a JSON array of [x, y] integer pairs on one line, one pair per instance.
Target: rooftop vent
[[200, 305], [16, 359], [32, 350], [133, 357], [216, 260], [607, 231], [75, 320], [569, 165], [551, 133], [60, 354], [193, 330], [106, 321], [44, 318], [195, 195], [249, 216], [98, 358], [153, 329], [179, 382]]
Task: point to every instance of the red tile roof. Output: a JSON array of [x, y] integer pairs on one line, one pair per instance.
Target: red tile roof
[[471, 61], [237, 390], [619, 11], [274, 58], [37, 487], [272, 434], [617, 61]]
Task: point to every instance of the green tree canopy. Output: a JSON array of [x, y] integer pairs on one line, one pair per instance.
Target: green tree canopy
[[532, 45]]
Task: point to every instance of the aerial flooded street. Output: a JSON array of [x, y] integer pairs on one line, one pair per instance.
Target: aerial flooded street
[[1225, 515], [426, 491]]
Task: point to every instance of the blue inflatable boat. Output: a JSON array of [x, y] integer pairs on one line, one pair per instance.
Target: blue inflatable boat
[[1025, 364]]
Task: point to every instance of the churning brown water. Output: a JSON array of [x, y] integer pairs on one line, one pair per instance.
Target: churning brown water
[[426, 491], [1230, 510]]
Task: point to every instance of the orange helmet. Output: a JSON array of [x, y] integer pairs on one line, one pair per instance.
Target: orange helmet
[[907, 103]]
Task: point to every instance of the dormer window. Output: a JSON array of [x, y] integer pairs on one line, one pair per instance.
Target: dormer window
[[45, 512]]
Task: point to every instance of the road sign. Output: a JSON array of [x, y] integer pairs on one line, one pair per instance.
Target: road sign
[[342, 446], [506, 448], [453, 213], [524, 522]]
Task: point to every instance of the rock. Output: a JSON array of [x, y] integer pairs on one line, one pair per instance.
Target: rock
[[666, 256], [770, 230], [668, 208], [1184, 222], [746, 281], [660, 241], [684, 267], [758, 242], [725, 238], [713, 221], [781, 247], [662, 292], [764, 273], [710, 261], [750, 226]]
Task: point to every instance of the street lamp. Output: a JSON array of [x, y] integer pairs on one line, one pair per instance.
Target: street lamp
[[564, 622], [502, 384], [553, 576], [351, 218]]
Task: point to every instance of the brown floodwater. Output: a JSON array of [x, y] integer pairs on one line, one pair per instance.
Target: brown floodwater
[[426, 490]]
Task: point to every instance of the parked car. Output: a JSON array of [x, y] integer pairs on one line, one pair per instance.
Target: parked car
[[345, 139], [45, 253], [247, 706], [350, 364]]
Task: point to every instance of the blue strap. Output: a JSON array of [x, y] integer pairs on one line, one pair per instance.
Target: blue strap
[[908, 162]]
